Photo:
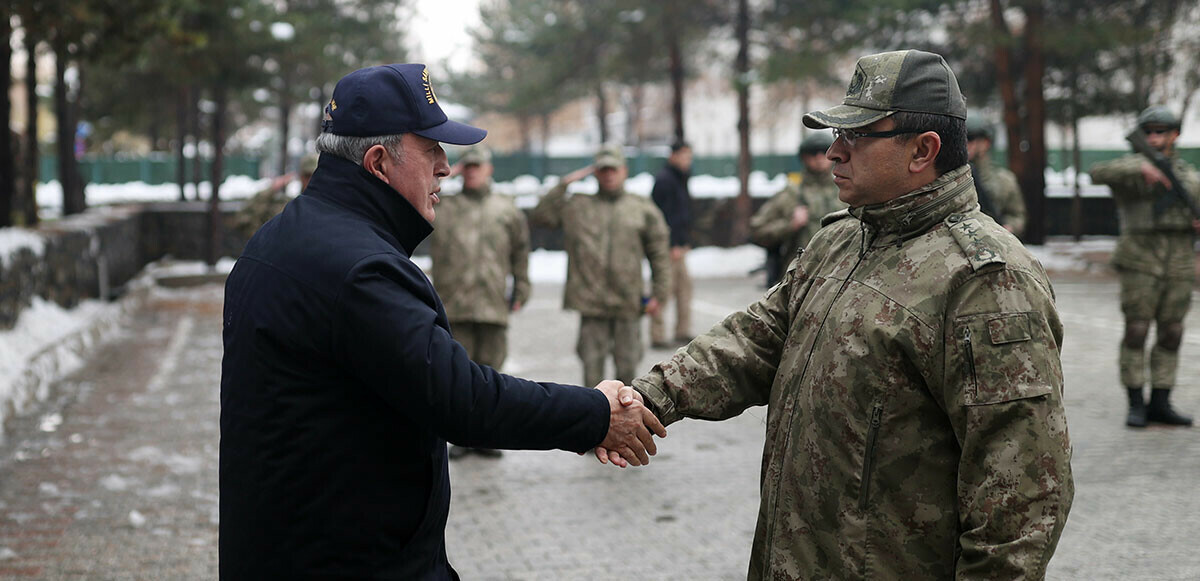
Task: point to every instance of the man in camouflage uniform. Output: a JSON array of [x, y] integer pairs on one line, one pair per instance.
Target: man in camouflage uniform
[[789, 219], [606, 235], [909, 360], [1156, 264], [480, 241], [268, 203], [999, 193]]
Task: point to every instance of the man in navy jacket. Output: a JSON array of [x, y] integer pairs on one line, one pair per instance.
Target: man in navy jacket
[[341, 382]]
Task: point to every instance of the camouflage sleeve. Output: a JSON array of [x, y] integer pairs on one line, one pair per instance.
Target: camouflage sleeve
[[656, 238], [1003, 392], [1123, 175], [726, 370], [1013, 208], [549, 210], [519, 234], [772, 223]]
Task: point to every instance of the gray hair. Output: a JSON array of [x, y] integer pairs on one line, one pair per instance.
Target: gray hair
[[354, 148]]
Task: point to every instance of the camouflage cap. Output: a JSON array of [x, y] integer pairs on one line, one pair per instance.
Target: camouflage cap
[[978, 127], [476, 155], [308, 164], [817, 142], [1158, 115], [610, 155], [908, 80]]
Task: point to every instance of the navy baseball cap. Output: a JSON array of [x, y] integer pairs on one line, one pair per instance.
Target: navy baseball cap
[[389, 100]]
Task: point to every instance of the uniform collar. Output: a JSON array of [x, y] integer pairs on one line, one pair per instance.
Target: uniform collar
[[914, 213], [611, 194], [477, 193], [346, 184], [825, 177]]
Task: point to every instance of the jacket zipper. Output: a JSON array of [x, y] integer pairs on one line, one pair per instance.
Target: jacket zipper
[[869, 455], [970, 352]]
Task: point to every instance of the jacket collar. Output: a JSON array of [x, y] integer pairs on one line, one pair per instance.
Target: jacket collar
[[346, 184], [914, 213], [478, 193], [682, 175], [822, 178], [610, 195]]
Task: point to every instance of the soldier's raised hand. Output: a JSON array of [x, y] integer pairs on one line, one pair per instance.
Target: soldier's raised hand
[[578, 174]]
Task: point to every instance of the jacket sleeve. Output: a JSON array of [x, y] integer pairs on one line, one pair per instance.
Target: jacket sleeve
[[549, 210], [519, 261], [1124, 176], [387, 334], [772, 223], [1003, 393], [726, 370], [1014, 211], [656, 240]]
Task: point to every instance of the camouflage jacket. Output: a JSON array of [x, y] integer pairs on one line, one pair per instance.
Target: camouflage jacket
[[263, 206], [910, 363], [771, 226], [479, 240], [1158, 245], [1001, 184], [606, 236]]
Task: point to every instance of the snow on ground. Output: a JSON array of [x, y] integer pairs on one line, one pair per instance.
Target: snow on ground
[[13, 240]]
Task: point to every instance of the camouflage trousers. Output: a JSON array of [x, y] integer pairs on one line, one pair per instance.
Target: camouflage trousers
[[601, 336], [1147, 298], [681, 293], [486, 343]]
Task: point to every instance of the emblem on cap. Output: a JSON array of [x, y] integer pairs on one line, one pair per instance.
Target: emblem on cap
[[429, 95], [856, 83]]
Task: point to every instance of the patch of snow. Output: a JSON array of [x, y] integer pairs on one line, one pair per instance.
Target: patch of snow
[[136, 519], [13, 240], [7, 553], [48, 489], [50, 422], [114, 483]]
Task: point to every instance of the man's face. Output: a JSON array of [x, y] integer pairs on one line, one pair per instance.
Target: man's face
[[476, 175], [1161, 137], [978, 147], [611, 178], [816, 163], [869, 172], [417, 175], [682, 158]]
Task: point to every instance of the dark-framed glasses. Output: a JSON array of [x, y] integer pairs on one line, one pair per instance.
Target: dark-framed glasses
[[850, 136]]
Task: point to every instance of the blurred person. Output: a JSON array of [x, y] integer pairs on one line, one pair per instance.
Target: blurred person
[[340, 380], [606, 236], [787, 222], [481, 243], [673, 199], [1156, 262], [999, 193], [909, 359], [269, 202]]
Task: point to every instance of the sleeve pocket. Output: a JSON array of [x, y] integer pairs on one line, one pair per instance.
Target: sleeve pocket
[[1003, 358]]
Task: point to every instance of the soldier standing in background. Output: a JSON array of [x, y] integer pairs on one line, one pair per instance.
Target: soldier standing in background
[[999, 192], [606, 236], [266, 204], [671, 195], [481, 240], [789, 219], [1156, 263]]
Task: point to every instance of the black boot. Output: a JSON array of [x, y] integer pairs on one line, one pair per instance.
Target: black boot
[[1137, 408], [1160, 409]]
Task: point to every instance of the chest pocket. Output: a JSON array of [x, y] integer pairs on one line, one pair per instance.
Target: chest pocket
[[1003, 357]]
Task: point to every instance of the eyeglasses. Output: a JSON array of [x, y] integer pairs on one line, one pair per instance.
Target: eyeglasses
[[850, 136]]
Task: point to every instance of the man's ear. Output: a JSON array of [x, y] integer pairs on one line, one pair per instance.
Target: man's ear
[[926, 147], [375, 162]]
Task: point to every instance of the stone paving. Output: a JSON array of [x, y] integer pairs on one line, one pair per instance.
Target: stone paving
[[115, 478]]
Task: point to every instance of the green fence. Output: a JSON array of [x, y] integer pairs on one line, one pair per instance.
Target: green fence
[[152, 169]]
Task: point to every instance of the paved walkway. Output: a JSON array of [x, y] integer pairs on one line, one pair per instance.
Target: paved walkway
[[116, 477]]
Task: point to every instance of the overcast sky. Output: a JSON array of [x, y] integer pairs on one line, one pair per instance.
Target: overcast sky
[[439, 32]]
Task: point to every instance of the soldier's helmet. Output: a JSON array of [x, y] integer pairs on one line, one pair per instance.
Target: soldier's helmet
[[816, 142], [979, 128], [1158, 115], [308, 164]]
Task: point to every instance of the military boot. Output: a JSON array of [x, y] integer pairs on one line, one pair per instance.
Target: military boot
[[1160, 409], [1137, 408]]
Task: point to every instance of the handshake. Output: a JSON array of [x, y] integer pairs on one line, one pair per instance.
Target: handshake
[[631, 427]]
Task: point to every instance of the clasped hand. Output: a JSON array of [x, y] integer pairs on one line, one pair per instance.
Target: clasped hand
[[631, 427]]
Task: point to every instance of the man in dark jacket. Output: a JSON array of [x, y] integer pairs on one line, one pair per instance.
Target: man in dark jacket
[[341, 382], [671, 195]]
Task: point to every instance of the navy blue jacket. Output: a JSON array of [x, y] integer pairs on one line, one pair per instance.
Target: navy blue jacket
[[671, 195], [340, 386]]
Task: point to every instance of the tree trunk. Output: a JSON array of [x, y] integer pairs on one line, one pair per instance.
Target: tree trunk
[[1033, 176], [633, 115], [216, 175], [29, 197], [8, 182], [545, 153], [739, 232], [72, 198], [1008, 87], [197, 159], [285, 120], [181, 133], [602, 112], [677, 75], [1076, 161]]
